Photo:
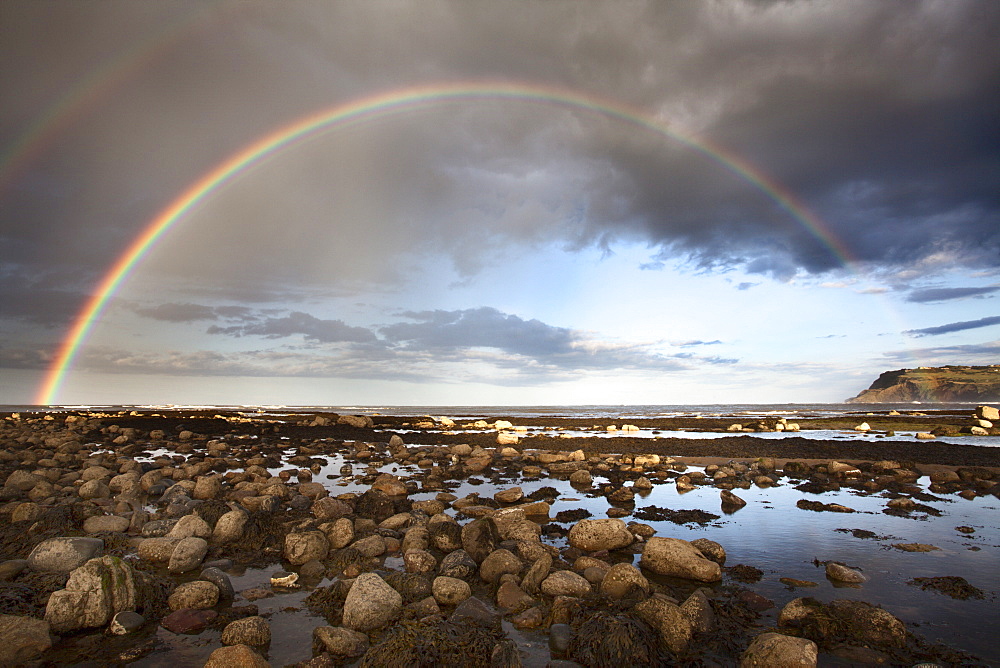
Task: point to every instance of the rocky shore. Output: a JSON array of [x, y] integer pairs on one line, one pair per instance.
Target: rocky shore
[[116, 529]]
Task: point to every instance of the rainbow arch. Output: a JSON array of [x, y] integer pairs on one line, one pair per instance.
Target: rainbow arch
[[389, 103]]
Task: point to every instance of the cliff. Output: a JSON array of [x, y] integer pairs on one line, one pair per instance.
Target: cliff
[[934, 384]]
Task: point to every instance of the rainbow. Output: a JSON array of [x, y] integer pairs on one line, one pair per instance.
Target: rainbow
[[376, 106], [99, 82]]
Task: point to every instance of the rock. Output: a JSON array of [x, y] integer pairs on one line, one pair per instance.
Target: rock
[[600, 534], [93, 489], [458, 564], [21, 481], [371, 603], [236, 656], [506, 438], [11, 568], [565, 583], [711, 550], [532, 581], [93, 594], [512, 495], [157, 550], [510, 596], [187, 555], [247, 631], [480, 538], [915, 547], [229, 528], [357, 421], [126, 622], [372, 546], [698, 612], [389, 485], [24, 638], [864, 426], [339, 533], [559, 638], [207, 487], [450, 591], [305, 546], [327, 509], [188, 621], [841, 573], [622, 579], [498, 563], [220, 580], [678, 558], [339, 641], [474, 611], [581, 478], [856, 621], [666, 617], [775, 649], [730, 500], [102, 523], [190, 525], [421, 561], [194, 595], [925, 436], [990, 413], [62, 555]]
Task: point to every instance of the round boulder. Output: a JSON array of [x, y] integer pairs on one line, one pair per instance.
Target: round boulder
[[678, 558], [775, 649], [195, 595], [371, 603], [306, 546], [600, 534]]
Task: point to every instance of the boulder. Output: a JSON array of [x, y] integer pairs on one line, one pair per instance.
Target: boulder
[[126, 622], [565, 583], [775, 649], [306, 546], [93, 594], [420, 561], [220, 580], [339, 533], [480, 538], [841, 573], [678, 558], [327, 509], [389, 485], [229, 528], [621, 579], [62, 554], [24, 638], [157, 550], [498, 563], [711, 550], [532, 580], [458, 564], [188, 621], [699, 612], [104, 523], [190, 525], [187, 555], [339, 641], [236, 656], [371, 603], [194, 595], [856, 621], [358, 421], [252, 630], [600, 534], [450, 591], [370, 546], [666, 617], [990, 413]]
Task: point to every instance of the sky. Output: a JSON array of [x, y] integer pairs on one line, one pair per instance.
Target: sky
[[729, 201]]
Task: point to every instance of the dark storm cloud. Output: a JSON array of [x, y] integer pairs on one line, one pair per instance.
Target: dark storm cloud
[[879, 116], [955, 326], [945, 294], [309, 326]]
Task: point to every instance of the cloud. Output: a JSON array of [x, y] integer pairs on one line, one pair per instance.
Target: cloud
[[696, 342], [944, 294], [955, 326], [970, 354], [297, 322]]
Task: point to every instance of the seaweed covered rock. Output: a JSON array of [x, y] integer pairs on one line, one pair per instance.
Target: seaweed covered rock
[[418, 643], [605, 639], [842, 619], [339, 641]]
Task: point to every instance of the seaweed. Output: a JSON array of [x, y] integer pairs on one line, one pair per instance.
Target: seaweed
[[606, 639], [430, 644]]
